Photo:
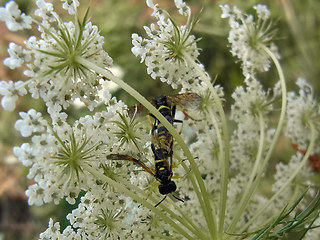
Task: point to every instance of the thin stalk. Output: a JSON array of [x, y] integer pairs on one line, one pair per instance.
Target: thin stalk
[[191, 178], [288, 182], [198, 232], [223, 197], [283, 109], [225, 150], [184, 220], [210, 221], [249, 186], [219, 139], [134, 196]]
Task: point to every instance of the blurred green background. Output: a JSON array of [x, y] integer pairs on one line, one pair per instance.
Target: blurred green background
[[298, 38]]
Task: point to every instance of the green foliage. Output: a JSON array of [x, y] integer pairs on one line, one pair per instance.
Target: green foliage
[[285, 224]]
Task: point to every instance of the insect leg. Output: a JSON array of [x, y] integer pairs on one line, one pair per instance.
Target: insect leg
[[187, 115], [160, 201], [177, 198]]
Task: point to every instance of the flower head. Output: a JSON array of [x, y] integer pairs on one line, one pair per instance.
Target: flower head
[[100, 215], [59, 153], [169, 48], [250, 102], [52, 61], [302, 110], [247, 36]]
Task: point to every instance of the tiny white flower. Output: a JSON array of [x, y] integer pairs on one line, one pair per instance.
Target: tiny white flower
[[262, 11], [225, 11], [182, 6], [35, 195], [31, 122], [70, 6], [14, 19], [25, 154], [11, 91], [9, 102], [53, 231], [284, 171], [18, 56], [45, 11], [57, 153], [150, 4]]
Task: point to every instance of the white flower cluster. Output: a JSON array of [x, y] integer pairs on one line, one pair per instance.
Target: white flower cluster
[[248, 36], [170, 49], [302, 110], [58, 152], [250, 102], [52, 64], [96, 218]]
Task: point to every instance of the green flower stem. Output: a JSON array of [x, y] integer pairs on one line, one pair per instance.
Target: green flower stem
[[220, 143], [282, 113], [250, 188], [225, 150], [209, 219], [191, 178], [198, 232], [134, 196], [184, 220], [288, 182]]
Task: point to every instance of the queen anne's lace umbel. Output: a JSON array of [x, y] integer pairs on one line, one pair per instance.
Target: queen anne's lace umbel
[[248, 35], [52, 69], [229, 189], [168, 48]]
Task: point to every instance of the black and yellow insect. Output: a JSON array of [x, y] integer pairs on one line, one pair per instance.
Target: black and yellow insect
[[162, 140]]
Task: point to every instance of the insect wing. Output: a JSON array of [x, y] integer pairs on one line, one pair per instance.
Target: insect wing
[[184, 100], [139, 110]]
